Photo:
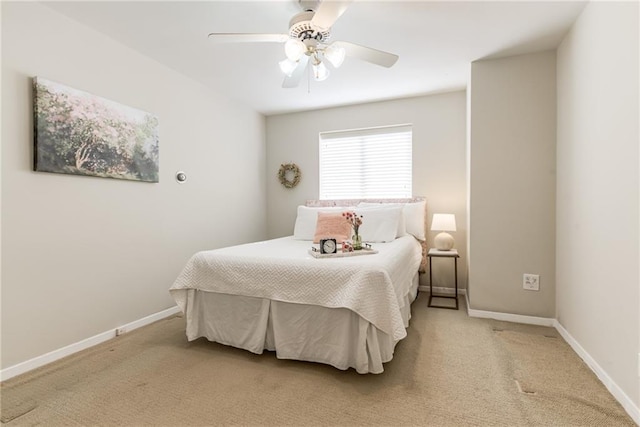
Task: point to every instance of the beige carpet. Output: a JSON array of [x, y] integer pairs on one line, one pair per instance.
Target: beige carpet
[[451, 370]]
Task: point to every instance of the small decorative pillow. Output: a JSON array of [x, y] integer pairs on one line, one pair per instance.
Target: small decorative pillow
[[332, 225], [306, 221]]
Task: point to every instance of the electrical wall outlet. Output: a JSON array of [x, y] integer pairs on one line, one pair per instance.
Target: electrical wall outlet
[[531, 282]]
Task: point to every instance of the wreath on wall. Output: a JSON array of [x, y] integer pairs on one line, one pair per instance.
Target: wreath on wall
[[289, 175]]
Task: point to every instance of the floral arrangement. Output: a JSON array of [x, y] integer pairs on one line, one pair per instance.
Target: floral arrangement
[[355, 221]]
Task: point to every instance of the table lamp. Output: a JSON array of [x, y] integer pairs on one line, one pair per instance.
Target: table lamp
[[443, 223]]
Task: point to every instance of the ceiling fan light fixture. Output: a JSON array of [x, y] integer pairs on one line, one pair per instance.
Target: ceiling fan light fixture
[[308, 41], [287, 66], [335, 55], [320, 72], [294, 49]]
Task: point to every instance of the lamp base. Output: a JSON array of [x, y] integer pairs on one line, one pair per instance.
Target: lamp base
[[444, 241]]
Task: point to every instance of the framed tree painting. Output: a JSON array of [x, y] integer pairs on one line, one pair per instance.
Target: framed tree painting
[[79, 133]]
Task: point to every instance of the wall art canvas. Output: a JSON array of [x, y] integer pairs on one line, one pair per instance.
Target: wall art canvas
[[82, 134]]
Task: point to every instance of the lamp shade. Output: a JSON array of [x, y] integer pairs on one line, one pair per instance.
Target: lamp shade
[[443, 222]]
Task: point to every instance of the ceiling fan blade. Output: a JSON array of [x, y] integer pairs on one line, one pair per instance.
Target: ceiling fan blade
[[375, 56], [296, 76], [328, 13], [248, 38]]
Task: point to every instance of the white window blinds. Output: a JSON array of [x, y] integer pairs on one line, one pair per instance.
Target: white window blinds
[[366, 163]]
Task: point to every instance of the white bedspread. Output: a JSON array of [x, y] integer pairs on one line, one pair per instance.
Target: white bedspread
[[282, 270]]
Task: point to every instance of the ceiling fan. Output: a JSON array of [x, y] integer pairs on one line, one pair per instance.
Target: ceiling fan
[[308, 42]]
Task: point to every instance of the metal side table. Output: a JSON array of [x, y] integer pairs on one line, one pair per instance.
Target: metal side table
[[435, 253]]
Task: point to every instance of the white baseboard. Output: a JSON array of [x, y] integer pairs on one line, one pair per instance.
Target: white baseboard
[[624, 400], [52, 356], [508, 317]]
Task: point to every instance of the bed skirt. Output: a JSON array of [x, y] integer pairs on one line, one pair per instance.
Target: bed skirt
[[335, 336]]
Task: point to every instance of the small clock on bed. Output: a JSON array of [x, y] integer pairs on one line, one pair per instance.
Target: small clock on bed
[[328, 246]]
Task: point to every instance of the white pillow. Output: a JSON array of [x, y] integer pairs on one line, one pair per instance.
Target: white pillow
[[379, 224], [402, 228], [305, 226], [414, 219]]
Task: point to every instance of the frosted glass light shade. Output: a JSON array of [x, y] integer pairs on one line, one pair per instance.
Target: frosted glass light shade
[[294, 49], [443, 222], [335, 55], [320, 72]]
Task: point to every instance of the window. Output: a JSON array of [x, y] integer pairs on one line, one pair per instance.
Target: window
[[366, 163]]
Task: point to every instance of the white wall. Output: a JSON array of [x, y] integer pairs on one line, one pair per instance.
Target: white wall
[[82, 255], [512, 132], [438, 158], [598, 281]]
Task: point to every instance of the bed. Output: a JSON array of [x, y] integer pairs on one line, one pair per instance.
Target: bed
[[347, 312]]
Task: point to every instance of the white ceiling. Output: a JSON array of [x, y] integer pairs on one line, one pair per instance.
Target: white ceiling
[[436, 42]]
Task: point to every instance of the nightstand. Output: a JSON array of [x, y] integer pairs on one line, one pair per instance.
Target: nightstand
[[434, 253]]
